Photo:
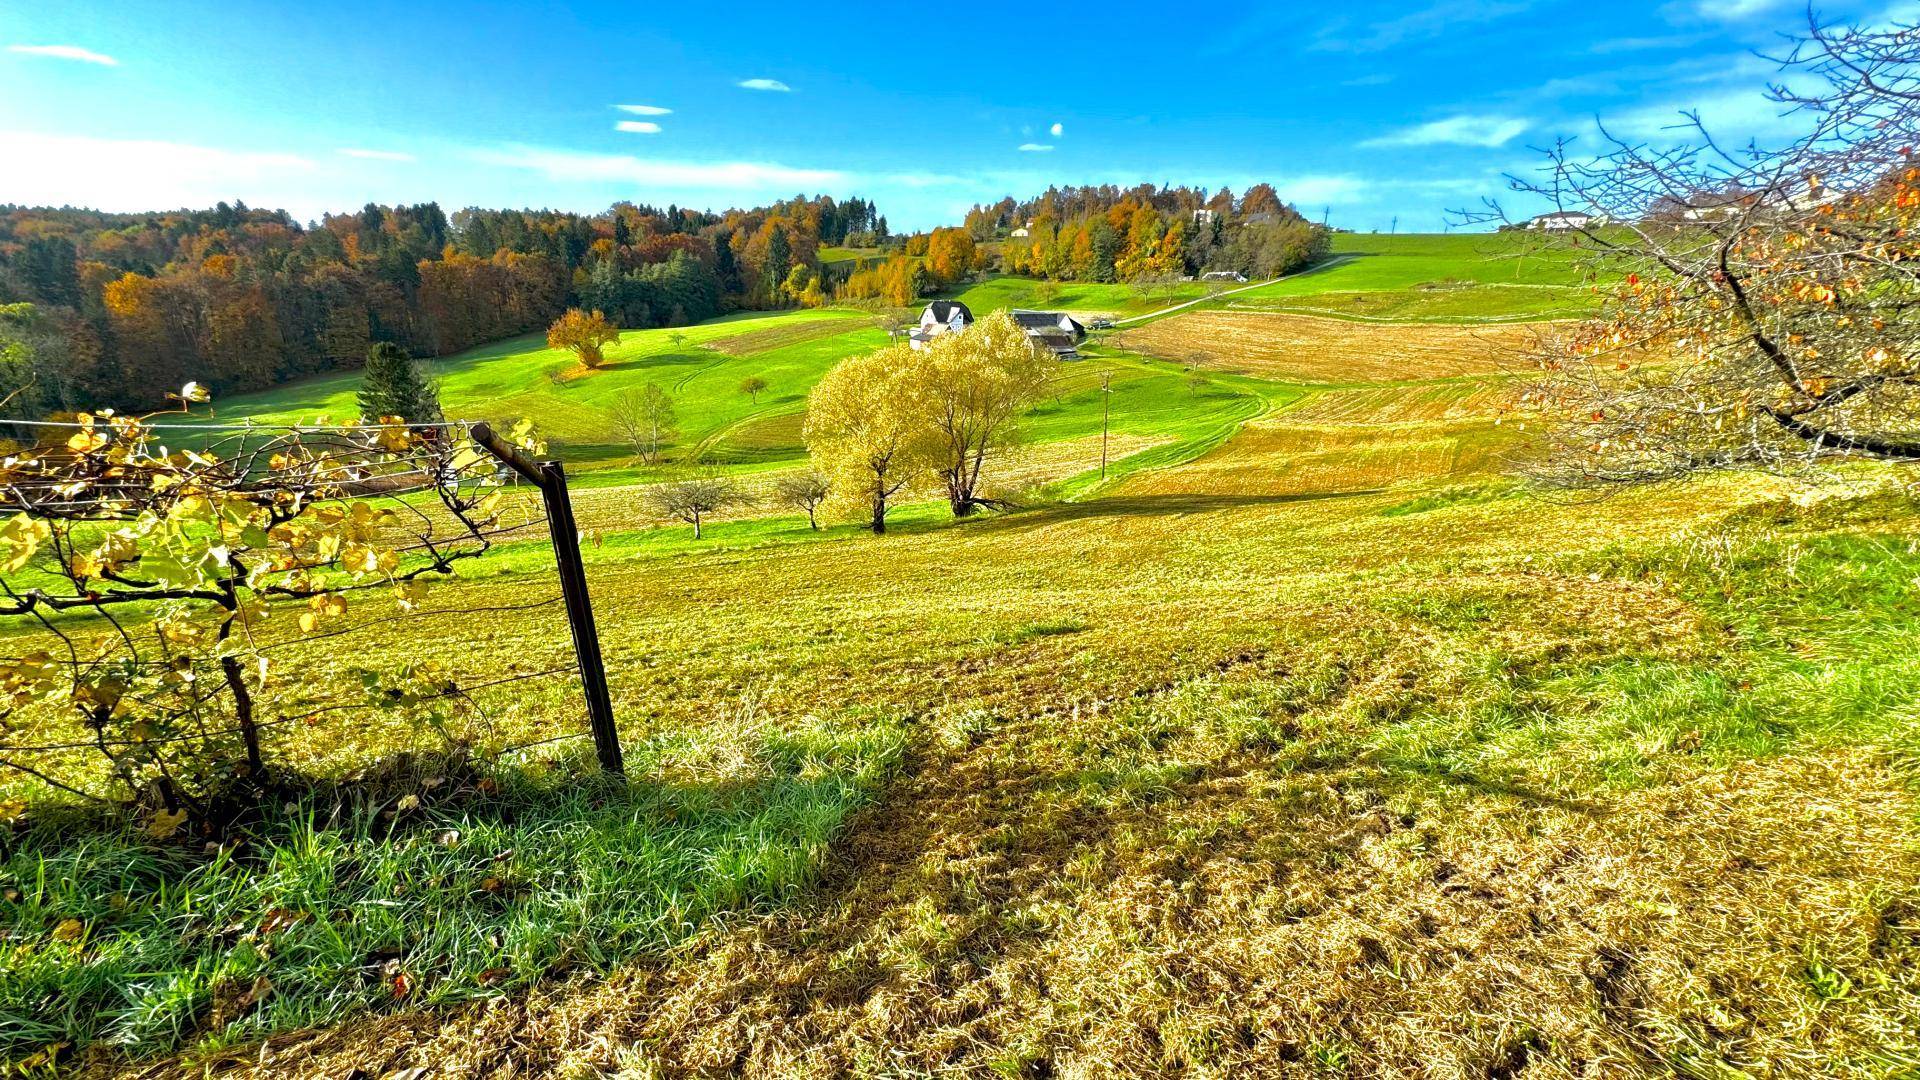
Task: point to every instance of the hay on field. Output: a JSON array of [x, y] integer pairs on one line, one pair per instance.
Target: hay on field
[[1309, 349], [787, 332]]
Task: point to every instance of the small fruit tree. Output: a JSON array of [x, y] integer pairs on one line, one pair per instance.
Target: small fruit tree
[[159, 575]]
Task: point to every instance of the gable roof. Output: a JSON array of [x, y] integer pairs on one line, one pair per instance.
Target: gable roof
[[1033, 321], [943, 311]]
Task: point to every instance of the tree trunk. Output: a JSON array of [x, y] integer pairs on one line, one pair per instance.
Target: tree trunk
[[696, 526], [243, 712], [879, 515], [242, 697]]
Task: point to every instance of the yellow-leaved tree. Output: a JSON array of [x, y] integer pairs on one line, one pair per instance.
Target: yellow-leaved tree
[[878, 422], [972, 389], [866, 432]]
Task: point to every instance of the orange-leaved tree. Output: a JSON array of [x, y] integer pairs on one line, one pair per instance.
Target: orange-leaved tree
[[585, 334], [1758, 307]]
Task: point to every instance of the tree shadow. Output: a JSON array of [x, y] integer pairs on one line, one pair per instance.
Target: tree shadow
[[1172, 505]]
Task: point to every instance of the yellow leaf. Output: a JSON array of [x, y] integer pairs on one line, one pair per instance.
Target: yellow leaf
[[69, 930], [86, 442], [165, 823], [11, 810]]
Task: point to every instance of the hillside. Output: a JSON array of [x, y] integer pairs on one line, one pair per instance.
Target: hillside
[[1312, 743]]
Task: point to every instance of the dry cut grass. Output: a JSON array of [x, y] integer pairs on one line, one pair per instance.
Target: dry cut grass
[[781, 335], [1302, 348], [1251, 768]]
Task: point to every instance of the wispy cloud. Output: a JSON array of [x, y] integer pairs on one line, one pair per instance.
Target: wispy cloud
[[1641, 44], [1057, 129], [142, 174], [1732, 115], [1322, 190], [644, 110], [1482, 131], [375, 155], [66, 52], [572, 166], [1034, 148], [638, 127], [1427, 22], [1731, 10], [765, 84]]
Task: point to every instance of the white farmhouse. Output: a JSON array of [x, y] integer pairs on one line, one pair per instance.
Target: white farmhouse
[[940, 317], [1562, 219]]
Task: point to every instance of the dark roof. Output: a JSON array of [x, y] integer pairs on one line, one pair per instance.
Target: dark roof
[[1056, 339], [943, 310], [1039, 321]]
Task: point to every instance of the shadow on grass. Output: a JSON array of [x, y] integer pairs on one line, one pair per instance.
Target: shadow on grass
[[1117, 506]]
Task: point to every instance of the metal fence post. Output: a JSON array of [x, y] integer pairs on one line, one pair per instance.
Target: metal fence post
[[552, 481]]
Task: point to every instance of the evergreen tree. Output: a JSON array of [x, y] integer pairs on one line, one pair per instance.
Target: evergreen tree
[[391, 386]]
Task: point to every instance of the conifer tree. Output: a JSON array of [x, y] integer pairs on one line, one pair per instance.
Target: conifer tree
[[392, 386]]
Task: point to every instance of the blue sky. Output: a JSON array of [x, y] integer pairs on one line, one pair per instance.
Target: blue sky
[[1366, 112]]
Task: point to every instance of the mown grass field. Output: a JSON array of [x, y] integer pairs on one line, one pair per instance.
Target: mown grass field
[[1310, 744], [1457, 277], [1085, 299]]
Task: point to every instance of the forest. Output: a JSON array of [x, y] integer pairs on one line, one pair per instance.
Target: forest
[[119, 310], [101, 309], [1103, 234]]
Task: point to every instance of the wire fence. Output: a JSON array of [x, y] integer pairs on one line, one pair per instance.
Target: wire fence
[[304, 599]]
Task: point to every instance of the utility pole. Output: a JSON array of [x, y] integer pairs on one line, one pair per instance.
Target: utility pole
[[1106, 401]]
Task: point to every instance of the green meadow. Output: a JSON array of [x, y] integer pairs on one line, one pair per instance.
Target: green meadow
[[1306, 742]]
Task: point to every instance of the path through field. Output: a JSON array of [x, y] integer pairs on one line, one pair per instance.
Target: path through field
[[1328, 753]]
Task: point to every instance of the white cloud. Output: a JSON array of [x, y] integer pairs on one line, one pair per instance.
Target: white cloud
[[66, 52], [1034, 147], [644, 110], [1321, 190], [567, 166], [1729, 10], [1435, 20], [638, 127], [1731, 115], [765, 84], [1484, 131], [143, 174], [1056, 130], [375, 155]]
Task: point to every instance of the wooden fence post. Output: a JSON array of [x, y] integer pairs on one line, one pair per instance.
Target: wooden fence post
[[552, 481]]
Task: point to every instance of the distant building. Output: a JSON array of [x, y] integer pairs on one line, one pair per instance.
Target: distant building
[[1203, 217], [1223, 275], [1562, 219], [1021, 233], [1055, 331], [940, 317]]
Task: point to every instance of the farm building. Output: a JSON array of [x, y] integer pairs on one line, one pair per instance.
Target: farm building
[[1223, 275], [1052, 330], [1561, 219], [940, 317]]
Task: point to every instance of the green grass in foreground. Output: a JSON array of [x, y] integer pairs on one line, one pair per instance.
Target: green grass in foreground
[[477, 893]]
